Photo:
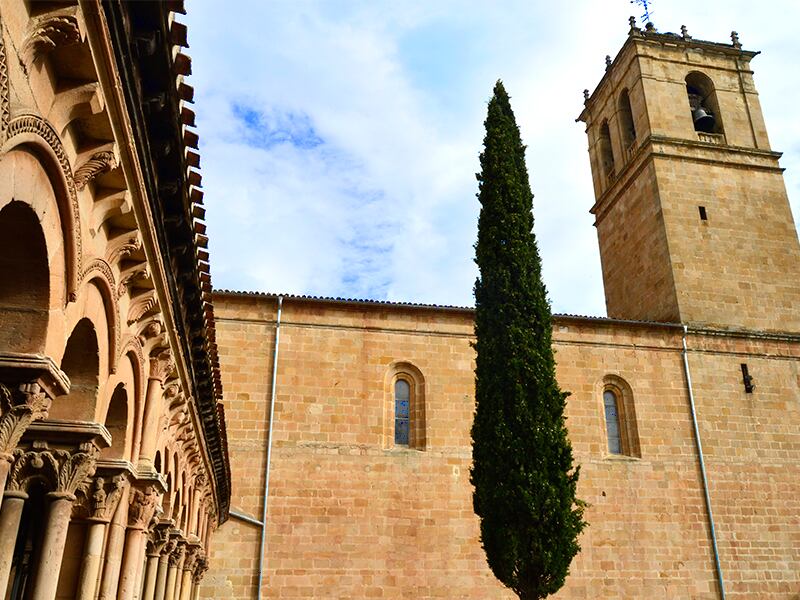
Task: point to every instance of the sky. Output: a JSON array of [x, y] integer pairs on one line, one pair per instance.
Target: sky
[[339, 139]]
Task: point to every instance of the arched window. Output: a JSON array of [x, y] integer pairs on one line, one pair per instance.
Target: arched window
[[606, 153], [622, 432], [402, 406], [611, 405], [703, 104], [405, 407], [626, 120]]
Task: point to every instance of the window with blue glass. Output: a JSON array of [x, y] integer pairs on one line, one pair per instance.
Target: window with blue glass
[[612, 422], [402, 412]]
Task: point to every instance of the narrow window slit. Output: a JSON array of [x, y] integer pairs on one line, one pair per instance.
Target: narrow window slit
[[703, 215]]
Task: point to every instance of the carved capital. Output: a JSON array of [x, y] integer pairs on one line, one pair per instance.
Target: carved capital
[[104, 495], [62, 471], [157, 540], [177, 554], [18, 409], [192, 556], [142, 507], [200, 569], [169, 547], [161, 365]]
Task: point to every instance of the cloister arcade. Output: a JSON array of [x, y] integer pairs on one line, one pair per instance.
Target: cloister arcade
[[112, 453]]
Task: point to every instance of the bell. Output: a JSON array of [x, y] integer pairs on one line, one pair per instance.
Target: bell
[[703, 120]]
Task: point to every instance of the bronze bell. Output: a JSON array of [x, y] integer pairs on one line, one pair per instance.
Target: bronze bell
[[703, 120]]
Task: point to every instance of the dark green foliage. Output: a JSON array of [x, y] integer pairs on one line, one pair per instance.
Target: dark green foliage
[[522, 459]]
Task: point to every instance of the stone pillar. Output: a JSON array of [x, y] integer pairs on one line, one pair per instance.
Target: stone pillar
[[175, 562], [163, 566], [55, 538], [156, 542], [114, 547], [161, 365], [201, 566], [103, 498], [10, 516], [189, 563], [142, 507]]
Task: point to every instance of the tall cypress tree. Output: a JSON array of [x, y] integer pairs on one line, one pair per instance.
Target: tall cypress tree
[[522, 471]]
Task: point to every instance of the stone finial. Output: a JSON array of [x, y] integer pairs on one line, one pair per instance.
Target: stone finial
[[608, 62], [649, 27], [685, 33], [632, 22], [585, 96], [735, 40]]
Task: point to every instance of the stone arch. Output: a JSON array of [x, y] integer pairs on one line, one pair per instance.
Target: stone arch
[[404, 371], [24, 280], [99, 273], [37, 135], [626, 408], [81, 363], [119, 424], [702, 96]]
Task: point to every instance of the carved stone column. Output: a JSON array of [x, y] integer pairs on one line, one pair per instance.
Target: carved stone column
[[161, 365], [114, 546], [143, 504], [62, 455], [102, 499], [189, 564], [201, 566], [29, 384], [175, 562], [163, 566], [156, 542]]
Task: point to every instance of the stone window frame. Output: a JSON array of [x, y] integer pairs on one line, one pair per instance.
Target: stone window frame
[[626, 413], [417, 432]]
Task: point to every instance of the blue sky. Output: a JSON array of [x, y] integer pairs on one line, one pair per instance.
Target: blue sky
[[340, 139]]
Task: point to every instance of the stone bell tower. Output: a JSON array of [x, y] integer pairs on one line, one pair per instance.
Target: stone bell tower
[[691, 210]]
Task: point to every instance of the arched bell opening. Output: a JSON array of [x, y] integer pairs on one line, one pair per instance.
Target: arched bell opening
[[703, 103], [606, 153], [81, 363], [117, 424], [24, 280], [626, 120]]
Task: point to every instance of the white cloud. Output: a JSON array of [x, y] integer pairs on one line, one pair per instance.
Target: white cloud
[[384, 205]]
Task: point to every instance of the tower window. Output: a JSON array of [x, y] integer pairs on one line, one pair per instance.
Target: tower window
[[703, 215], [703, 104]]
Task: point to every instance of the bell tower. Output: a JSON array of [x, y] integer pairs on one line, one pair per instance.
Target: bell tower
[[691, 210]]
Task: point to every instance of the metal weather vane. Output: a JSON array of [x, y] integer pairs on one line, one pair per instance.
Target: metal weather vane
[[647, 15]]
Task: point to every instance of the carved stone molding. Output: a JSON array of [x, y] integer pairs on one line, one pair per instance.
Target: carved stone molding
[[99, 162], [46, 34], [5, 104], [130, 275], [32, 124], [161, 365]]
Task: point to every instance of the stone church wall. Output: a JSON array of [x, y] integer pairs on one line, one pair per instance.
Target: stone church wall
[[352, 516]]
